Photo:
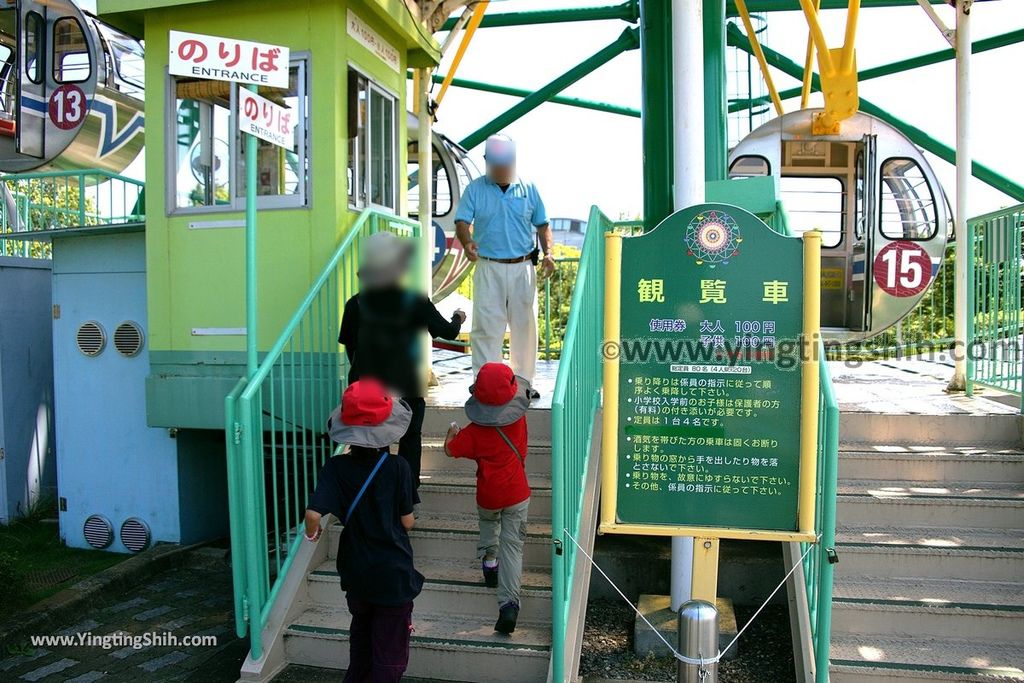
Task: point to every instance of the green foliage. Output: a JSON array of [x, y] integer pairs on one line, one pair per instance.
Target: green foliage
[[558, 291]]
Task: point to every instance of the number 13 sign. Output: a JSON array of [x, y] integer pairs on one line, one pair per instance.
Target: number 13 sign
[[902, 268]]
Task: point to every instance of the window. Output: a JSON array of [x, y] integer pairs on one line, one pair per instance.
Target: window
[[372, 145], [441, 188], [207, 152], [907, 206], [749, 166], [34, 25], [128, 60], [281, 173], [70, 52], [814, 203]]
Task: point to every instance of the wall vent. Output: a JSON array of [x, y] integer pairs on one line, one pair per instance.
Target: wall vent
[[128, 339], [135, 534], [91, 338], [99, 532]]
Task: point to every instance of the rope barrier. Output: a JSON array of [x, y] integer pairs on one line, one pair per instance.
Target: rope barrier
[[702, 661]]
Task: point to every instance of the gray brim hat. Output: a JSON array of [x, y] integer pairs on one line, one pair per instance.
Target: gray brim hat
[[500, 415], [372, 436]]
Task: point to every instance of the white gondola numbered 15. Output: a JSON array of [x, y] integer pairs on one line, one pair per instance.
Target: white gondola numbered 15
[[884, 217]]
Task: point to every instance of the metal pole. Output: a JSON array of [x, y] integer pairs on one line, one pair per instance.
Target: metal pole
[[716, 152], [627, 11], [698, 640], [250, 253], [656, 117], [963, 179], [425, 158], [688, 186]]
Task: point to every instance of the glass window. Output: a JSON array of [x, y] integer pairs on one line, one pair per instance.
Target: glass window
[[128, 58], [70, 52], [907, 206], [373, 134], [202, 150], [33, 40], [208, 152], [281, 173], [749, 166], [441, 188], [814, 203]]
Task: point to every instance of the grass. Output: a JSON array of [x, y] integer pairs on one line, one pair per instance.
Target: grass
[[31, 547]]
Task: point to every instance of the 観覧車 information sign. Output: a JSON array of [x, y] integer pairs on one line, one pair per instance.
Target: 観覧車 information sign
[[709, 374]]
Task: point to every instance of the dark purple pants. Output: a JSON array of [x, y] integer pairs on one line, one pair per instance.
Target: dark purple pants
[[379, 641]]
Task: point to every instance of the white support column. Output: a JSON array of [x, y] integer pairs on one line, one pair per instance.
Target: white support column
[[425, 158], [688, 189], [963, 180]]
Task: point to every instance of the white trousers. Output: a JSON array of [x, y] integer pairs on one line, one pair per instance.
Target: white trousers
[[505, 296]]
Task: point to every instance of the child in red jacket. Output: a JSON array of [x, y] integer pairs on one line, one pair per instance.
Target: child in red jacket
[[496, 439]]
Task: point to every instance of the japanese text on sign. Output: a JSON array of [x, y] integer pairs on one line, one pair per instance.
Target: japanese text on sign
[[268, 121], [226, 59], [373, 41]]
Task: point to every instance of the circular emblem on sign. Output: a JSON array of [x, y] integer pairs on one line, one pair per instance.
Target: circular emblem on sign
[[67, 106], [713, 237], [902, 268]]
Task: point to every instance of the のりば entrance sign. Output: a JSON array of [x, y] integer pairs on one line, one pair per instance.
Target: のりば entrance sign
[[226, 59]]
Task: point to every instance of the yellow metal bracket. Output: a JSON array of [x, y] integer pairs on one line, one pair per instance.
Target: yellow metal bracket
[[838, 70], [474, 24], [748, 25]]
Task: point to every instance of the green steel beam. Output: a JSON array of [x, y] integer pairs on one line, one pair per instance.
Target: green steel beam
[[920, 138], [656, 93], [628, 40], [627, 11], [522, 92], [794, 5], [716, 135], [928, 59]]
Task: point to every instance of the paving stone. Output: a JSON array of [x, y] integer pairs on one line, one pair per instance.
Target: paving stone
[[128, 604], [81, 627], [179, 622], [87, 677], [18, 660], [166, 660], [52, 668], [152, 613]]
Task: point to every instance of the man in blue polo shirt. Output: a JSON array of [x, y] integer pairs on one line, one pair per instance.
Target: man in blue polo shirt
[[503, 226]]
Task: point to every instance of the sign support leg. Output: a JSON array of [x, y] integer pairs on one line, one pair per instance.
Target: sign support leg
[[250, 253]]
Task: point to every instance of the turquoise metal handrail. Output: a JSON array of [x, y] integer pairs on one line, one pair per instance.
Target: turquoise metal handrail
[[40, 202], [574, 406], [276, 427], [994, 297]]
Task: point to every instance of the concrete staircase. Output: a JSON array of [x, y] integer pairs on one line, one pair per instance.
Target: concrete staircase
[[930, 582], [454, 638]]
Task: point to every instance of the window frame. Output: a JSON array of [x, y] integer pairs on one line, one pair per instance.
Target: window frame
[[767, 164], [882, 189], [843, 198], [53, 52], [236, 203], [362, 164], [40, 54]]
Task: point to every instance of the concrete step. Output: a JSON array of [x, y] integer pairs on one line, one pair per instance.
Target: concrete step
[[438, 418], [450, 588], [454, 491], [443, 647], [930, 552], [930, 463], [932, 608], [538, 458], [861, 659], [439, 536], [980, 505], [964, 429]]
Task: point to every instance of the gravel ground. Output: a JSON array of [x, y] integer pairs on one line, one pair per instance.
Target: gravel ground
[[765, 650]]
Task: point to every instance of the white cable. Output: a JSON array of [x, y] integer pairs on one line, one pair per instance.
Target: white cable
[[683, 658]]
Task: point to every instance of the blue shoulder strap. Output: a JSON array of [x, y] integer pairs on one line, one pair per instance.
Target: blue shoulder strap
[[366, 485]]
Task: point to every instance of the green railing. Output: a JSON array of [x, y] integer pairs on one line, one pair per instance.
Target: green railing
[[56, 200], [994, 300], [818, 561], [276, 427]]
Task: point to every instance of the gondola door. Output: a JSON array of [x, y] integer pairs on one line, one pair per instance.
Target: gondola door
[[32, 79], [865, 220]]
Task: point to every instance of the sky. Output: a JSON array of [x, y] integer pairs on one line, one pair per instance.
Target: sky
[[579, 157]]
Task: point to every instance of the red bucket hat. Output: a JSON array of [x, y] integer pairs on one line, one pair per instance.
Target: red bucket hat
[[498, 397], [368, 416]]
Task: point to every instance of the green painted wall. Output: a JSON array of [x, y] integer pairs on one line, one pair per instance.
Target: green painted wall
[[196, 277]]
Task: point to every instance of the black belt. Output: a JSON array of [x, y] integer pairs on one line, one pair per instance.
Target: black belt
[[518, 259]]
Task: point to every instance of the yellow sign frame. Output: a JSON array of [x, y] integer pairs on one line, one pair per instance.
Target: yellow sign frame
[[809, 393]]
